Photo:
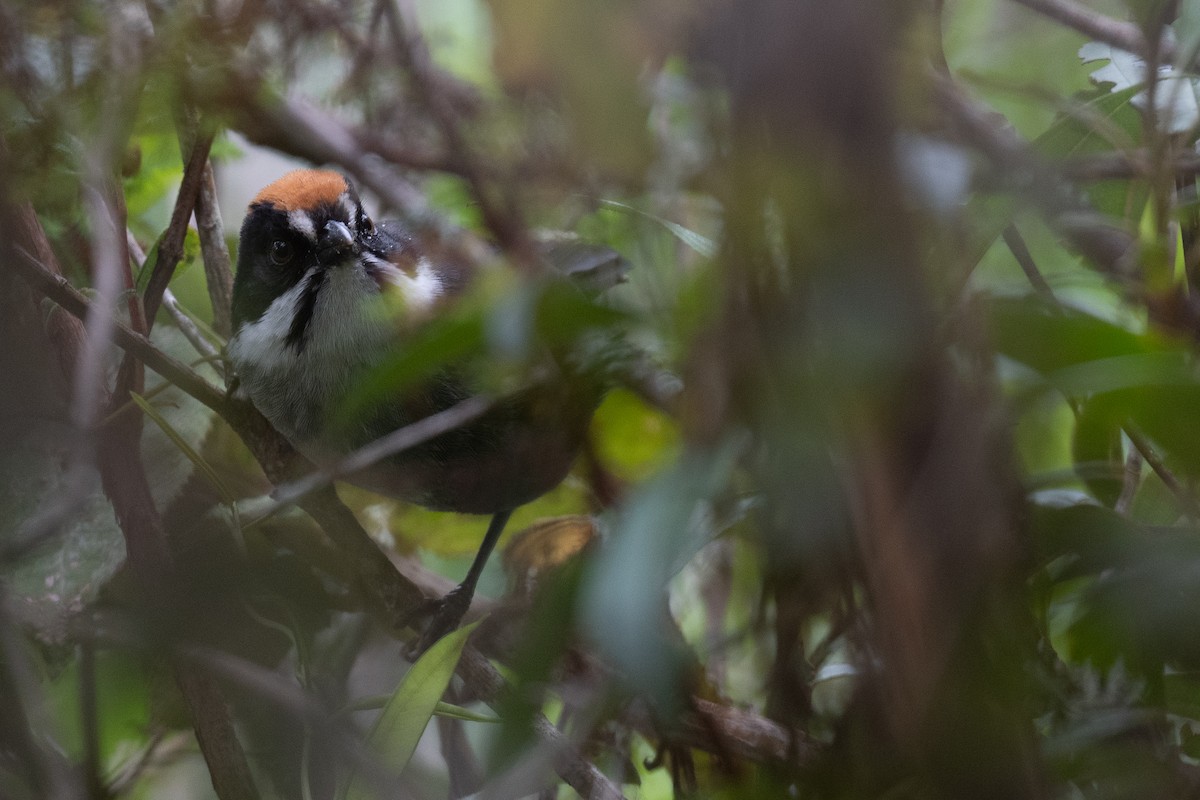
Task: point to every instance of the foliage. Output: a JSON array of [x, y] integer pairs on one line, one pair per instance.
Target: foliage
[[892, 492]]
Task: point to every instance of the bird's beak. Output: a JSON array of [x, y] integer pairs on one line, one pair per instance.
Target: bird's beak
[[335, 242]]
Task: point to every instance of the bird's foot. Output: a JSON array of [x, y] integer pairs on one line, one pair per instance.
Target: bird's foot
[[444, 615]]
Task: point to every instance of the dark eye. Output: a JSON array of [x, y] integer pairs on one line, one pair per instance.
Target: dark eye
[[281, 252], [366, 226]]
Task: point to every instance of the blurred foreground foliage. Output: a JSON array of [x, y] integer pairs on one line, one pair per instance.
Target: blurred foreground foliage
[[896, 496]]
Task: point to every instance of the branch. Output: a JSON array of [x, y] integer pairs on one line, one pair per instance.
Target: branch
[[1112, 248], [500, 214], [56, 288], [1094, 25], [218, 269], [385, 446], [150, 561], [297, 128], [170, 245], [1187, 501], [1124, 165]]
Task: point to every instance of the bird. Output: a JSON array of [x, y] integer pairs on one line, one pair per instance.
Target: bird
[[323, 294]]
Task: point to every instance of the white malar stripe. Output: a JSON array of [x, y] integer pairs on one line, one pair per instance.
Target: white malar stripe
[[301, 223], [263, 343]]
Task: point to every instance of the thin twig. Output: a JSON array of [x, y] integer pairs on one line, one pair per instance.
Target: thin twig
[[1187, 501], [188, 328], [1133, 480], [1016, 245], [1111, 248], [390, 444], [170, 245], [218, 269], [1124, 165], [500, 214], [1093, 24], [71, 300]]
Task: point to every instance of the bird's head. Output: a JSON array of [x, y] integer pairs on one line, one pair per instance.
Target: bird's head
[[307, 242]]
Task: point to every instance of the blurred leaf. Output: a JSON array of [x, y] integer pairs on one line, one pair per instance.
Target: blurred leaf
[[444, 341], [698, 242], [451, 711], [631, 438], [1106, 112], [1023, 327], [1098, 441], [124, 710], [662, 525], [400, 726], [1094, 538], [443, 709], [1181, 694], [185, 448]]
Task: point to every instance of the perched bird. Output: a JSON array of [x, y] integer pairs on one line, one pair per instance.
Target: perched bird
[[310, 322]]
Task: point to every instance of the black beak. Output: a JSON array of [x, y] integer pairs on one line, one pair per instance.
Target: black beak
[[335, 242]]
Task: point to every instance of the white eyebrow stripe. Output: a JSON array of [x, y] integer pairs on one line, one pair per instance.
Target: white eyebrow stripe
[[347, 208], [302, 224]]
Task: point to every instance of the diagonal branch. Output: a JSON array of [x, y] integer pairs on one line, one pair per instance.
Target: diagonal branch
[[218, 269], [170, 245], [1093, 24], [58, 289]]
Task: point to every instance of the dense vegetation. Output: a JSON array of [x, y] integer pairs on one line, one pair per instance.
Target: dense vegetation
[[894, 494]]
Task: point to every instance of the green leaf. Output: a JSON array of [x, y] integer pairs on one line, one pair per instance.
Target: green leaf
[[205, 468], [1097, 442], [698, 242], [451, 711], [1024, 328], [406, 715], [443, 709]]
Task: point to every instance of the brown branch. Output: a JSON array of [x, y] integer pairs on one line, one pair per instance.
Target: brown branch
[[1124, 165], [170, 245], [1020, 250], [500, 213], [123, 477], [1094, 25], [1187, 501], [218, 269], [385, 446], [1112, 248], [58, 289], [300, 129]]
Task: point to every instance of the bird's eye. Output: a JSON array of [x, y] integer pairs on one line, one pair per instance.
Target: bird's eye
[[366, 225], [281, 252]]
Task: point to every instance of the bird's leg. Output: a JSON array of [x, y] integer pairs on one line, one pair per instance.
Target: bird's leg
[[449, 611]]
